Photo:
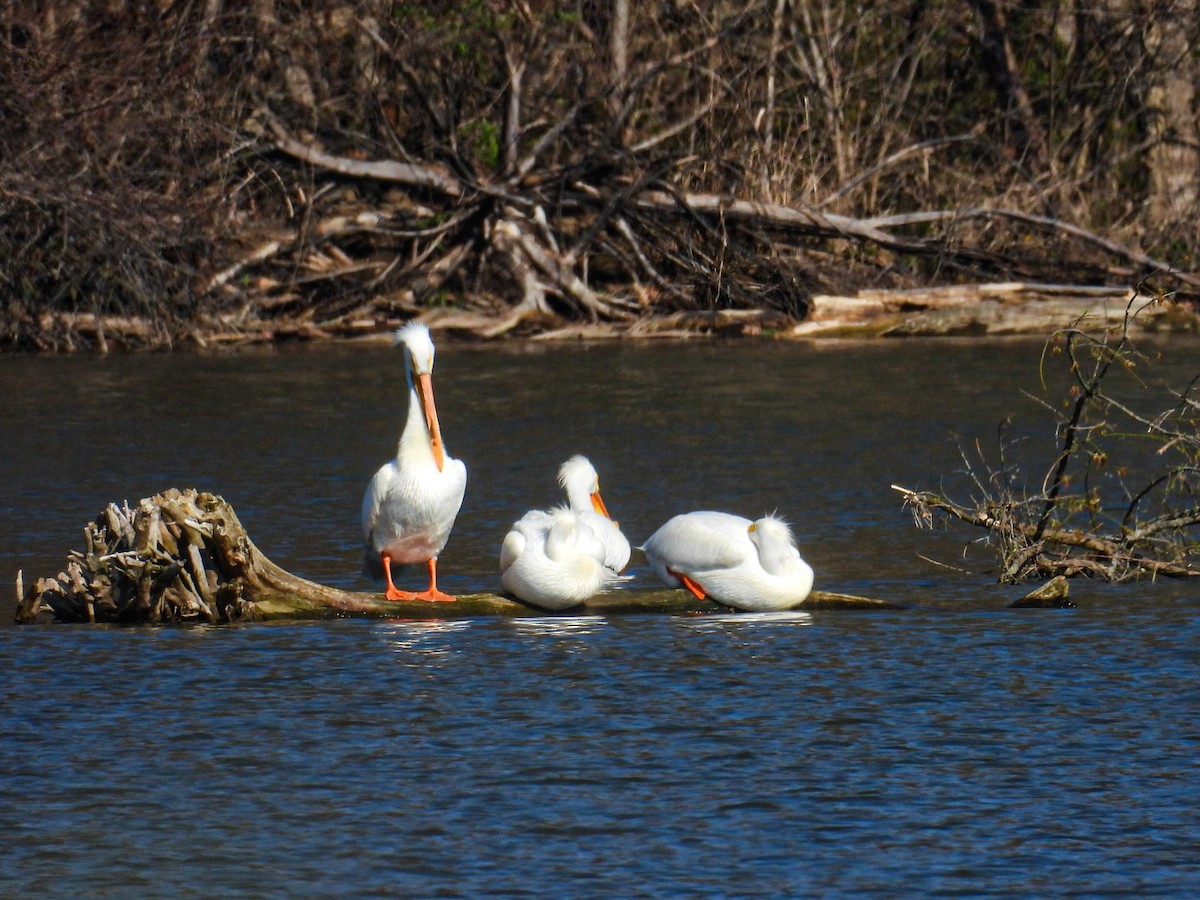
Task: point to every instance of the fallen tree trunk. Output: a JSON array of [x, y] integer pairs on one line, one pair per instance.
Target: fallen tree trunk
[[183, 556], [1004, 308]]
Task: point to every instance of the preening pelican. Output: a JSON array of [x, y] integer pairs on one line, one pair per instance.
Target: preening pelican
[[559, 558], [743, 564], [554, 560], [577, 476], [411, 503]]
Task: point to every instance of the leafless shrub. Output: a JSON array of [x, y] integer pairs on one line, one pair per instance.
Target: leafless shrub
[[216, 166], [1120, 497], [106, 189]]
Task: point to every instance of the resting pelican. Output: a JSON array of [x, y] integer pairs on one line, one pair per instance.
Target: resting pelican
[[558, 558], [554, 560], [743, 564], [577, 476], [410, 504]]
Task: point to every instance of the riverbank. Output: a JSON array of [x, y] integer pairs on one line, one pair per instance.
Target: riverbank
[[991, 309]]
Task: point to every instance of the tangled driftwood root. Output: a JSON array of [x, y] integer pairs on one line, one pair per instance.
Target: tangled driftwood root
[[177, 556], [183, 556]]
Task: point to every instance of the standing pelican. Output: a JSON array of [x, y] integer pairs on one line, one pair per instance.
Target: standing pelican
[[743, 564], [410, 504], [558, 558]]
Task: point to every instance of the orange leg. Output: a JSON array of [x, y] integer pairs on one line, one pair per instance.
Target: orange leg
[[432, 594], [696, 591]]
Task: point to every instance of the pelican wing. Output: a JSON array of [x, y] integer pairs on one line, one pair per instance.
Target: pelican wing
[[530, 527], [372, 500], [698, 542], [511, 549], [616, 545]]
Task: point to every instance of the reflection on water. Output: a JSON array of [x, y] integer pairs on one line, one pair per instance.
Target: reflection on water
[[909, 753], [747, 621], [951, 749], [558, 626], [421, 640]]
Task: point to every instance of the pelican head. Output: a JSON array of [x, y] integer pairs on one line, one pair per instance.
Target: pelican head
[[770, 529], [418, 348], [578, 478], [776, 547], [418, 365]]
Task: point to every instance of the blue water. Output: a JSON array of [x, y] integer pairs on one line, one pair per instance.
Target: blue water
[[953, 748], [908, 753]]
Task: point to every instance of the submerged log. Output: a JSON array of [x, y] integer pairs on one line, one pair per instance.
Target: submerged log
[[1051, 595], [183, 556]]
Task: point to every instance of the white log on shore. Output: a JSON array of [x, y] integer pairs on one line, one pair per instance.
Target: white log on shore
[[1005, 308]]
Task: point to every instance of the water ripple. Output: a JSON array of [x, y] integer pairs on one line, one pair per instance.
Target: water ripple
[[927, 752]]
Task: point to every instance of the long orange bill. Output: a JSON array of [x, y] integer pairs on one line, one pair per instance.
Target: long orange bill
[[598, 505], [425, 393]]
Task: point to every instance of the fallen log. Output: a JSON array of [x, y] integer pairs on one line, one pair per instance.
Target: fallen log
[[183, 556], [1005, 308]]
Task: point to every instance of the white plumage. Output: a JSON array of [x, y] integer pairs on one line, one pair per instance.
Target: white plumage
[[739, 563], [577, 476], [554, 560], [410, 505], [559, 558]]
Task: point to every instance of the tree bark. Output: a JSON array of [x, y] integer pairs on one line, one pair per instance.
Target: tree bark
[[618, 51], [1174, 159], [1001, 67]]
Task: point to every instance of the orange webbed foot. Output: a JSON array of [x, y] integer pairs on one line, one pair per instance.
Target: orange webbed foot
[[434, 596], [692, 587], [431, 595]]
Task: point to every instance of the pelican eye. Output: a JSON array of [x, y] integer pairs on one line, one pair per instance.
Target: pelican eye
[[753, 528]]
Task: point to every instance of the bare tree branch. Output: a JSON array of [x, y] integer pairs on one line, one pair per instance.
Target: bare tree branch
[[422, 176]]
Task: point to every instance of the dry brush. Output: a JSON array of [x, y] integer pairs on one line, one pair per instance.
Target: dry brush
[[1118, 498], [222, 171]]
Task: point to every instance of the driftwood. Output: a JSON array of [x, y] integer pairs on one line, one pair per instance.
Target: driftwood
[[1051, 595], [1003, 308], [659, 254], [183, 556]]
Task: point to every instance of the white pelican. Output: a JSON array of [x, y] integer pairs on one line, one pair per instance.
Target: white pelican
[[554, 560], [577, 476], [558, 558], [411, 503], [743, 564]]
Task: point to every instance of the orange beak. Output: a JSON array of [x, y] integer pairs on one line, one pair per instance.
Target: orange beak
[[598, 505], [425, 393]]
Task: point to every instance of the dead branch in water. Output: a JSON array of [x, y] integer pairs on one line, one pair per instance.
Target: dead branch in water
[[1087, 515]]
